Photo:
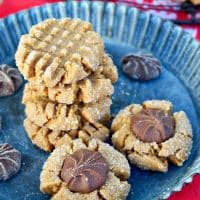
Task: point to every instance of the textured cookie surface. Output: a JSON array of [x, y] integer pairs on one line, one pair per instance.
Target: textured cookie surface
[[47, 139], [115, 188], [109, 70], [152, 155], [65, 50], [91, 89], [62, 117]]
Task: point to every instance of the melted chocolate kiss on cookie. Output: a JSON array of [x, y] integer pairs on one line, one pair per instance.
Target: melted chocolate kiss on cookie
[[84, 171], [153, 125]]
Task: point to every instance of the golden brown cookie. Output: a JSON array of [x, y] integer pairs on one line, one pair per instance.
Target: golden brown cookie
[[196, 2], [60, 51], [91, 89], [151, 135], [109, 70], [47, 139], [56, 116], [107, 168]]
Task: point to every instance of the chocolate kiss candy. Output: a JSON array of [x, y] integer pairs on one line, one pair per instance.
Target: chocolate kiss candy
[[140, 67], [153, 125], [10, 80], [10, 161], [84, 171]]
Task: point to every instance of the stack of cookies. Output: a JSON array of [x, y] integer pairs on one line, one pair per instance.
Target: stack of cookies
[[70, 77]]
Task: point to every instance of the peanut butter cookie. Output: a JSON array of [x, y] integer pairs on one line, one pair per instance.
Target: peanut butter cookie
[[109, 70], [62, 117], [91, 89], [48, 139], [60, 51], [91, 171], [151, 135]]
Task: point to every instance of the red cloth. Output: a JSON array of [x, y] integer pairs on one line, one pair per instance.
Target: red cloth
[[167, 9], [190, 191]]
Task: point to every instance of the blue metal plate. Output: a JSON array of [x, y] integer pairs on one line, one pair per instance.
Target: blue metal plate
[[125, 30]]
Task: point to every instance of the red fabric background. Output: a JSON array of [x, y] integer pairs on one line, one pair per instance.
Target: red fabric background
[[190, 191]]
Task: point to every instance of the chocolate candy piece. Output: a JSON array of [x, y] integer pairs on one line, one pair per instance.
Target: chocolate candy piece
[[10, 80], [153, 125], [10, 161], [84, 171], [140, 67]]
